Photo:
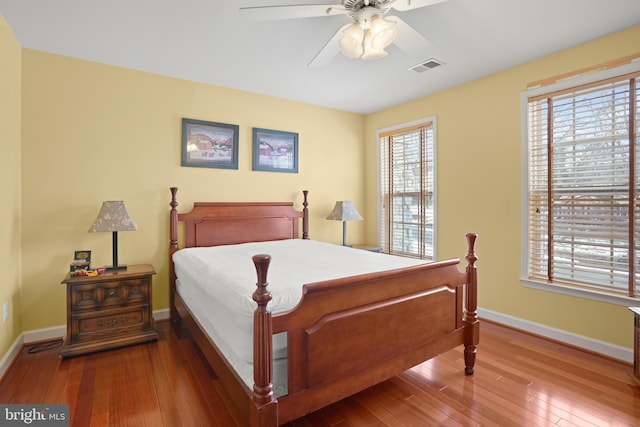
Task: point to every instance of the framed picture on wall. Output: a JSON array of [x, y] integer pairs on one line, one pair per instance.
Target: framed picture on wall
[[209, 144], [275, 151]]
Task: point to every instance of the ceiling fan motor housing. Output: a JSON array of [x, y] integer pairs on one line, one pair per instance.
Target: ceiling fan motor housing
[[355, 7]]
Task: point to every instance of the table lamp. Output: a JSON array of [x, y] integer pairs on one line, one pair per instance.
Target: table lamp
[[113, 217], [344, 211]]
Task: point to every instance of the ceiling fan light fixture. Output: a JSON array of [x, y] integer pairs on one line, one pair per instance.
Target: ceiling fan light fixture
[[367, 37], [383, 33], [370, 51], [351, 41]]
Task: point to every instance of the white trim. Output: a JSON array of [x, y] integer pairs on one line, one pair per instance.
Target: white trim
[[378, 187], [163, 314], [45, 335], [10, 356], [590, 344], [434, 124], [584, 79], [591, 294], [524, 185]]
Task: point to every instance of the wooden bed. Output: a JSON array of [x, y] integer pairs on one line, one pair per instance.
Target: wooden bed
[[345, 335]]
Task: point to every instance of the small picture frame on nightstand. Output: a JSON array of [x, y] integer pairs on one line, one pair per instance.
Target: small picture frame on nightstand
[[82, 256], [81, 261]]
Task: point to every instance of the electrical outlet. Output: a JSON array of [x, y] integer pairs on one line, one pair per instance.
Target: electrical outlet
[[5, 311]]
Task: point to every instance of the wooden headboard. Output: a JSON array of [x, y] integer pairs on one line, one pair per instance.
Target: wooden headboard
[[224, 223]]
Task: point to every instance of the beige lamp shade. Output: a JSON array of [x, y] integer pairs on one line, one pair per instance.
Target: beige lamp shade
[[113, 216], [344, 211], [351, 42], [383, 33]]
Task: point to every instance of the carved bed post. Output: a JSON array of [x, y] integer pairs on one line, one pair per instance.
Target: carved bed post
[[305, 216], [173, 246], [265, 409], [472, 325]]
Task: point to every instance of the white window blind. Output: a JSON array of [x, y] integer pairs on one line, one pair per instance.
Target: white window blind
[[584, 186], [407, 191]]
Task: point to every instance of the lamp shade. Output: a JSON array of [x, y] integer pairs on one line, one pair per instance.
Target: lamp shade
[[370, 52], [383, 33], [344, 210], [113, 216], [351, 41]]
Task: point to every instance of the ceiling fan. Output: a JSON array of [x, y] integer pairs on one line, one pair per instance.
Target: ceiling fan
[[366, 37]]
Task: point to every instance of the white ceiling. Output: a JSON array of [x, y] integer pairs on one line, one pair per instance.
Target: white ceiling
[[209, 41]]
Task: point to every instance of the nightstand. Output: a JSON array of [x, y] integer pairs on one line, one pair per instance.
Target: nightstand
[[109, 310]]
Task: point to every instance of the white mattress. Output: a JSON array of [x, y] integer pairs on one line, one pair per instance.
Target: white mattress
[[217, 284]]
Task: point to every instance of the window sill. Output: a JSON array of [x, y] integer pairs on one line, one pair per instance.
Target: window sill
[[581, 293]]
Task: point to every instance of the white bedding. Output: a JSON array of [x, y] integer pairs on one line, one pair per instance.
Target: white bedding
[[217, 284]]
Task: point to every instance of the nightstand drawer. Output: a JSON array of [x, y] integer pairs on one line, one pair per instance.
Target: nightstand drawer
[[111, 324], [92, 296]]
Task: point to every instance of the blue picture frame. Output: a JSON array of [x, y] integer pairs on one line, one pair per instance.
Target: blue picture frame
[[275, 151], [209, 144]]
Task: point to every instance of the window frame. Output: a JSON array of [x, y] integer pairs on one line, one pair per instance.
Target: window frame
[[426, 121], [565, 289]]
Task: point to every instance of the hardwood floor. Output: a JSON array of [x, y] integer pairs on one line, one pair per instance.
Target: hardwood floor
[[520, 380]]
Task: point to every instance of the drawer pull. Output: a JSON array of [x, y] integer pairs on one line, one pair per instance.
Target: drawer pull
[[111, 322]]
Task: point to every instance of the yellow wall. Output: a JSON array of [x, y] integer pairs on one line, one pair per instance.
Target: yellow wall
[[478, 180], [93, 132], [10, 213]]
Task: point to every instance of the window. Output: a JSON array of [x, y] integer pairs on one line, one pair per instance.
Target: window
[[583, 184], [407, 190]]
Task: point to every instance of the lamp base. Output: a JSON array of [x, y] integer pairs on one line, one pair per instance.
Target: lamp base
[[116, 267]]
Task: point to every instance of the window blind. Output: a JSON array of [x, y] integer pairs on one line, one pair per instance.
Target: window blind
[[584, 186], [406, 196]]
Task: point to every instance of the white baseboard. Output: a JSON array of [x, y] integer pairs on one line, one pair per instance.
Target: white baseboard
[[601, 347], [161, 314], [10, 356], [46, 335]]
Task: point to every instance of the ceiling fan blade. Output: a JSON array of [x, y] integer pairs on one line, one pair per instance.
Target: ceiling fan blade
[[409, 39], [403, 5], [330, 50], [274, 13]]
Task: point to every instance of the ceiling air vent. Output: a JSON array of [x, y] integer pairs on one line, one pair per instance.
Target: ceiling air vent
[[429, 64]]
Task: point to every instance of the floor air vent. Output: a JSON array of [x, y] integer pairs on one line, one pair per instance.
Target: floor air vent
[[429, 64]]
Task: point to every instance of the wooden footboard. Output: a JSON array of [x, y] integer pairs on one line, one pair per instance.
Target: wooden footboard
[[349, 334]]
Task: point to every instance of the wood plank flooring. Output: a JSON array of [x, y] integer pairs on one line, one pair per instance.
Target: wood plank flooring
[[520, 380]]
